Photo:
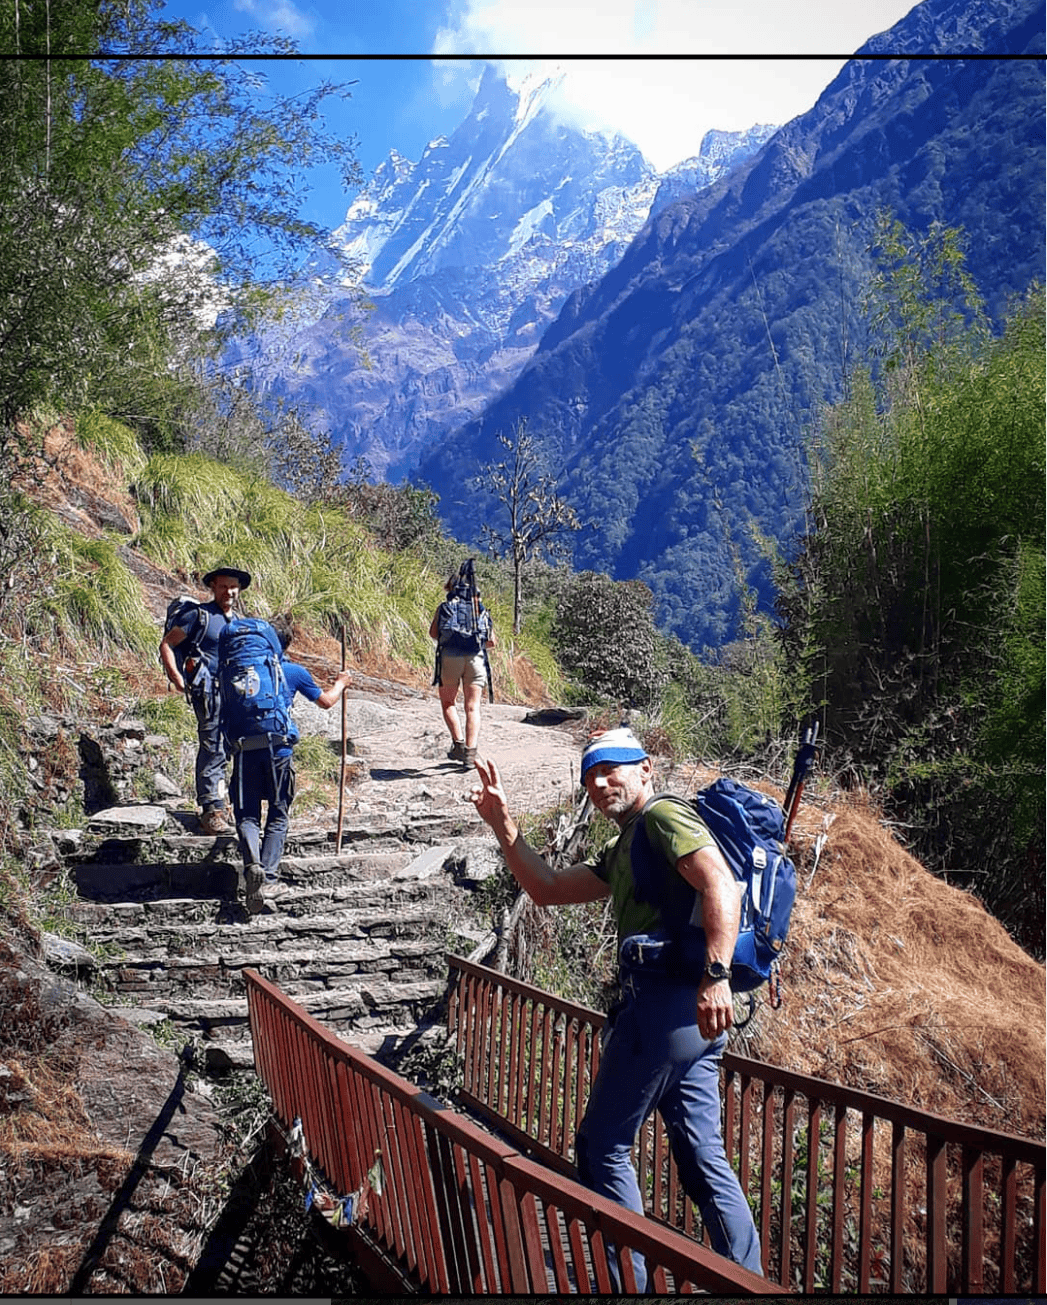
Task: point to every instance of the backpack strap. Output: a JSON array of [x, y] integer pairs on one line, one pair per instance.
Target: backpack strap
[[653, 880]]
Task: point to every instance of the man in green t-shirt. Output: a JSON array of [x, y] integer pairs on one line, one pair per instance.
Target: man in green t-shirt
[[663, 1044]]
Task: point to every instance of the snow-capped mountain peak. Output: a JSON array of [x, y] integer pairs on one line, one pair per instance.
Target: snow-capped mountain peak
[[469, 253]]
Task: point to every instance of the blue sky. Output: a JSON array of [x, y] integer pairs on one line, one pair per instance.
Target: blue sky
[[661, 72]]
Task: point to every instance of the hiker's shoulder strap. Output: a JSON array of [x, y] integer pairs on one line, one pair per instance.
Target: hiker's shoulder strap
[[674, 799], [670, 892]]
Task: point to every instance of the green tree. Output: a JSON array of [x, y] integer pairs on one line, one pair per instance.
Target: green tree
[[605, 638], [914, 601], [109, 163], [399, 516], [535, 516]]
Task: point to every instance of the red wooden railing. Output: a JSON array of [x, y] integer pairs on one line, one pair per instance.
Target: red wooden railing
[[433, 1203], [885, 1198]]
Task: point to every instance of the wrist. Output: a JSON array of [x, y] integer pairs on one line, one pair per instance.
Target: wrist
[[717, 972]]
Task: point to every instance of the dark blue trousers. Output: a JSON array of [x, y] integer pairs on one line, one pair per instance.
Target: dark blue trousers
[[654, 1058], [260, 777], [211, 758]]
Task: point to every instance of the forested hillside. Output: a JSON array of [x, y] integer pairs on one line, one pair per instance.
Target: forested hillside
[[910, 605], [675, 397], [911, 611]]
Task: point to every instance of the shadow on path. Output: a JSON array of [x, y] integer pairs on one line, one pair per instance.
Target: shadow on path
[[122, 1200], [438, 768]]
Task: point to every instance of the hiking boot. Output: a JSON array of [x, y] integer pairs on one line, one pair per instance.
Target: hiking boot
[[214, 822], [261, 902], [254, 880], [457, 752], [468, 757]]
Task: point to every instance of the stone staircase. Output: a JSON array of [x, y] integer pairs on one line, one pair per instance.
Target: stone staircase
[[358, 936]]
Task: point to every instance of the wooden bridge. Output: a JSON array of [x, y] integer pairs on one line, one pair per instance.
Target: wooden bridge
[[851, 1192]]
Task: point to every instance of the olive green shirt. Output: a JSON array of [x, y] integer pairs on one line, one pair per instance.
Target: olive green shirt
[[674, 829]]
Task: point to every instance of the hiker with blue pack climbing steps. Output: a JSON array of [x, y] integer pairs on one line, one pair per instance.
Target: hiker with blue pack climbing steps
[[463, 631], [664, 1040], [189, 655], [258, 688]]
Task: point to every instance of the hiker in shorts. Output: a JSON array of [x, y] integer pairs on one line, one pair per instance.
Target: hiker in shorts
[[267, 775], [663, 1041], [197, 679], [461, 662]]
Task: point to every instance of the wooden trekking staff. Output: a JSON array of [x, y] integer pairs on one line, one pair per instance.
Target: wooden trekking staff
[[341, 778], [468, 572], [801, 769]]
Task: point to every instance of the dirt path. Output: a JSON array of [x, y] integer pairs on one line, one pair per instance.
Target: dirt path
[[399, 744]]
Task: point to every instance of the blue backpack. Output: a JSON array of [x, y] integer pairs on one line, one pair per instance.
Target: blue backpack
[[255, 705], [188, 614], [462, 624], [749, 829]]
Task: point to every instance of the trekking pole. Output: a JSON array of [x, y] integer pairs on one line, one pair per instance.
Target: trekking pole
[[341, 778], [471, 575], [801, 769]]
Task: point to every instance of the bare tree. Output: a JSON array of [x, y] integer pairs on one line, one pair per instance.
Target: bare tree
[[537, 515]]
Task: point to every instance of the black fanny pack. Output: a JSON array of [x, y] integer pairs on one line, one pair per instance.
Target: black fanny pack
[[677, 956]]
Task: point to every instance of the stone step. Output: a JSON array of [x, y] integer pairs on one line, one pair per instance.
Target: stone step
[[398, 866], [115, 845], [210, 942], [369, 1009], [345, 867], [357, 936], [219, 1054], [197, 850], [143, 881], [150, 881], [335, 970], [127, 924]]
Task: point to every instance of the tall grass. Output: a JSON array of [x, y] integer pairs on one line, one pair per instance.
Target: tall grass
[[112, 441], [315, 563]]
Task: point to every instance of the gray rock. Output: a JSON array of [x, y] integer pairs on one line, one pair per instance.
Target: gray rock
[[141, 1016], [165, 786], [141, 820], [367, 717], [554, 715], [43, 729], [64, 954], [130, 729], [430, 862], [68, 841], [474, 860]]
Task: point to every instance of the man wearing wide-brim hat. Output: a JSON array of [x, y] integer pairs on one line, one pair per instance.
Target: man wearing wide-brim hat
[[189, 653]]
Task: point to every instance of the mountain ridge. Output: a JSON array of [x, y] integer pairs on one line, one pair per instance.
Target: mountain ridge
[[466, 255], [686, 378]]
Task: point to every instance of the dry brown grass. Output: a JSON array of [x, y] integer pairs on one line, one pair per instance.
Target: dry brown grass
[[64, 467], [903, 985], [45, 1272]]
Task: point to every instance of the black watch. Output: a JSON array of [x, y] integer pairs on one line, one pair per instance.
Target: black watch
[[716, 970]]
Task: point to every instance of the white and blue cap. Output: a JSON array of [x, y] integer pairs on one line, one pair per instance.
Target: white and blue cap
[[612, 747]]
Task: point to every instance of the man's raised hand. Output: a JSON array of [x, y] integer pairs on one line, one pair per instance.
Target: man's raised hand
[[489, 797]]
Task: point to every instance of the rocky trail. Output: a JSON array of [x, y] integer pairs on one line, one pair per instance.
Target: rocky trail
[[358, 934], [885, 968]]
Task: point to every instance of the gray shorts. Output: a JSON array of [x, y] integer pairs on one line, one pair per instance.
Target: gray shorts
[[455, 671]]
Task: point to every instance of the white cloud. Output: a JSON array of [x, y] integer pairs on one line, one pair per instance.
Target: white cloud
[[666, 104], [283, 16], [666, 27]]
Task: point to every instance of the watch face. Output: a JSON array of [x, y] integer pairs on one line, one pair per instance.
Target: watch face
[[716, 970]]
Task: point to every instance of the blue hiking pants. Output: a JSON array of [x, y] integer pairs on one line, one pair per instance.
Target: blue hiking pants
[[211, 758], [260, 777], [654, 1058]]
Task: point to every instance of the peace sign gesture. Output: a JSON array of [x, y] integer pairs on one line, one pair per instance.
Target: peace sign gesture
[[490, 799]]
